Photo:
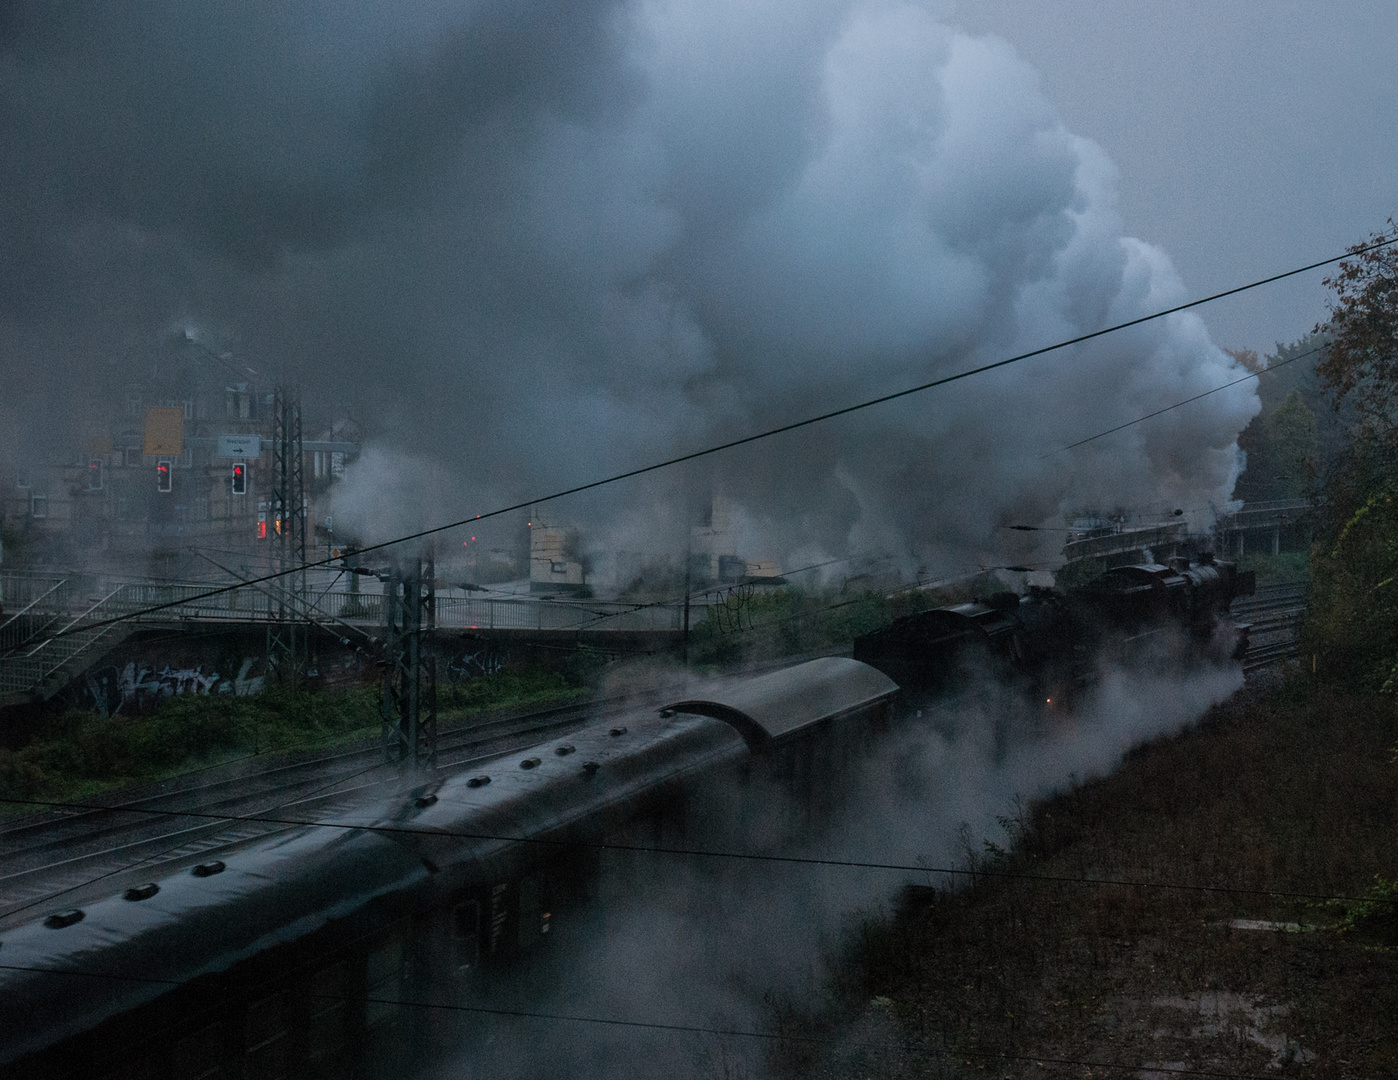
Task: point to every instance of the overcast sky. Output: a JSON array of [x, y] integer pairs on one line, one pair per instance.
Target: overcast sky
[[1250, 136]]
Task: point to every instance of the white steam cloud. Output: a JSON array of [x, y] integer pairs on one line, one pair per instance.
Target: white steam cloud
[[540, 241], [802, 205]]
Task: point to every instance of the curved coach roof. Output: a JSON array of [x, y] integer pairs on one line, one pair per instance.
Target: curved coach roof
[[773, 706]]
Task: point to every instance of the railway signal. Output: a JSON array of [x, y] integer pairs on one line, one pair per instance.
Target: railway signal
[[240, 478], [164, 479]]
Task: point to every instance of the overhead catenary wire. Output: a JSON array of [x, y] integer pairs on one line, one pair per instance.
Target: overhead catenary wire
[[682, 1029], [1169, 408], [745, 440], [655, 849]]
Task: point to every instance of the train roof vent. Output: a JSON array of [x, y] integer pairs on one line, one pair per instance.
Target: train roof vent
[[141, 892], [773, 706], [59, 919], [478, 781], [531, 763], [209, 869]]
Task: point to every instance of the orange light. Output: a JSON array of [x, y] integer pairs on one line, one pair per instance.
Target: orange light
[[262, 530]]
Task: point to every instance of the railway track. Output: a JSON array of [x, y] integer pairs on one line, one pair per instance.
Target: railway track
[[70, 855], [1274, 615]]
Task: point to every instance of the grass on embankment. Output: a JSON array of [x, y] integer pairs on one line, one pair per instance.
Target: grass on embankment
[[81, 754], [1281, 792]]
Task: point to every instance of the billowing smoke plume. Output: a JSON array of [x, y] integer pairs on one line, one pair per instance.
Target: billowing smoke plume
[[539, 241]]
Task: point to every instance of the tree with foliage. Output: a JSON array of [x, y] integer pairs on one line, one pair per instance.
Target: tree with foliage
[[1353, 625], [1362, 361], [1281, 447]]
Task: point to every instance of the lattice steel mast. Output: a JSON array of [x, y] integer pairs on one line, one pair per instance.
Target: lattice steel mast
[[409, 708], [287, 636]]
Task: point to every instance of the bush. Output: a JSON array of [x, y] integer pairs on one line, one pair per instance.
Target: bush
[[1352, 624]]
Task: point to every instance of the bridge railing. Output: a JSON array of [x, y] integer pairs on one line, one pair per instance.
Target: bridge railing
[[525, 614], [175, 601], [32, 606]]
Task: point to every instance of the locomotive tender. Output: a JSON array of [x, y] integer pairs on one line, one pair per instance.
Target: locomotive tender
[[1050, 642]]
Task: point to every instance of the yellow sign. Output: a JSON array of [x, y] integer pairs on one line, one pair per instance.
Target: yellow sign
[[164, 432]]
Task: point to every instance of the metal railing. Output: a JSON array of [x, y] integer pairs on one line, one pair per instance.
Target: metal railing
[[33, 663], [40, 608], [181, 601], [62, 621], [524, 614]]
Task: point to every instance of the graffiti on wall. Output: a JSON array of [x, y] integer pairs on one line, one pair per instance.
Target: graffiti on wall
[[468, 665], [138, 689]]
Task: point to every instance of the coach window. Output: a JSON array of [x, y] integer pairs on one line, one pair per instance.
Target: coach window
[[266, 1037], [466, 934], [328, 1007], [384, 972]]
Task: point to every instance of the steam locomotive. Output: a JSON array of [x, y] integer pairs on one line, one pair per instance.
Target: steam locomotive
[[1052, 642], [312, 951]]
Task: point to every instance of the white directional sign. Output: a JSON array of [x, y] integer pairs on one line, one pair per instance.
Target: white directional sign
[[239, 446]]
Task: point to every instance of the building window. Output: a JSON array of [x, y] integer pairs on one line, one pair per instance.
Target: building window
[[38, 506], [239, 403], [23, 480]]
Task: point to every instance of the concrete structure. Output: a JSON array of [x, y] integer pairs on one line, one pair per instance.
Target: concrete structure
[[1123, 546], [1267, 528], [554, 564]]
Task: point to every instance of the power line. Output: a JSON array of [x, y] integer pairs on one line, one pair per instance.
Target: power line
[[1186, 401], [746, 439], [742, 856], [682, 1029]]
